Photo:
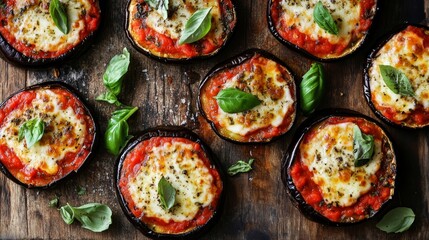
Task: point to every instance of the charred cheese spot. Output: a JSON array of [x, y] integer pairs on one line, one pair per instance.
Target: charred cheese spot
[[329, 157]]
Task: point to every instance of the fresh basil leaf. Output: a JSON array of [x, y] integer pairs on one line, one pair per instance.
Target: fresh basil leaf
[[324, 19], [117, 68], [240, 167], [58, 12], [397, 220], [67, 213], [161, 6], [396, 81], [93, 216], [312, 88], [32, 130], [166, 193], [363, 147], [110, 98], [197, 26], [116, 135], [54, 202], [232, 100], [81, 190]]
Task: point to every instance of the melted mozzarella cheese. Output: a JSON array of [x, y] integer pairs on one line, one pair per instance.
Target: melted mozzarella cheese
[[32, 24], [182, 167], [299, 14], [266, 82], [179, 13], [329, 156], [64, 133], [405, 51]]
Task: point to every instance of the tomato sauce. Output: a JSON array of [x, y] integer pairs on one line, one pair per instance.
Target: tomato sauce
[[367, 203], [72, 160], [131, 167]]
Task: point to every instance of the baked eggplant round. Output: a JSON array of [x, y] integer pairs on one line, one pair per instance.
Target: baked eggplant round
[[67, 140], [403, 58], [182, 159], [322, 177], [30, 38], [261, 74], [157, 36], [293, 24]]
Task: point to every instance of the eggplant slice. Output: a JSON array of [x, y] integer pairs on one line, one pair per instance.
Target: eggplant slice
[[183, 159], [263, 75], [293, 24], [67, 142], [29, 38], [319, 172], [407, 50], [158, 38]]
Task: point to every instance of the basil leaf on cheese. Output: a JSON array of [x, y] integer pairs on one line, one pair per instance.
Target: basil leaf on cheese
[[93, 216], [116, 135], [197, 26], [324, 19], [232, 100], [363, 147], [396, 81], [240, 167], [397, 220], [32, 130], [110, 98], [117, 68], [312, 88], [166, 193], [161, 6], [58, 12]]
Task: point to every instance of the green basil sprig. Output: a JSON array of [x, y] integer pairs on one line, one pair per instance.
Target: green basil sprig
[[32, 130], [110, 98], [363, 147], [312, 88], [197, 26], [167, 194], [396, 80], [53, 203], [161, 6], [58, 12], [117, 68], [232, 100], [397, 220], [324, 19], [240, 167], [116, 135], [93, 216]]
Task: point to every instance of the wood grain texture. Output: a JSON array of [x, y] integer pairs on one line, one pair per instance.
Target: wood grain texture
[[257, 205]]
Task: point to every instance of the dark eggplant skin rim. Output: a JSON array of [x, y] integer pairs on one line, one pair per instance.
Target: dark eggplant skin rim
[[366, 77], [88, 111], [177, 60], [289, 157], [354, 49], [236, 61], [168, 131], [16, 58]]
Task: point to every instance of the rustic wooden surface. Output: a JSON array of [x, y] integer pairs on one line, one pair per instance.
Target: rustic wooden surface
[[257, 205]]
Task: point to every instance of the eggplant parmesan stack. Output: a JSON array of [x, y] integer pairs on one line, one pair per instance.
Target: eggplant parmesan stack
[[325, 175], [46, 133], [397, 78], [293, 23], [157, 30], [174, 157], [40, 33], [262, 75]]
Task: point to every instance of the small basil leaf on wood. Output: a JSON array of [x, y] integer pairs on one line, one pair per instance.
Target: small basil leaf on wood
[[161, 6], [240, 167], [166, 193], [324, 19], [32, 130], [81, 190], [110, 98], [117, 68], [58, 13], [232, 100], [116, 135], [93, 216], [312, 88], [396, 80], [363, 147], [197, 26], [397, 220], [54, 202]]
